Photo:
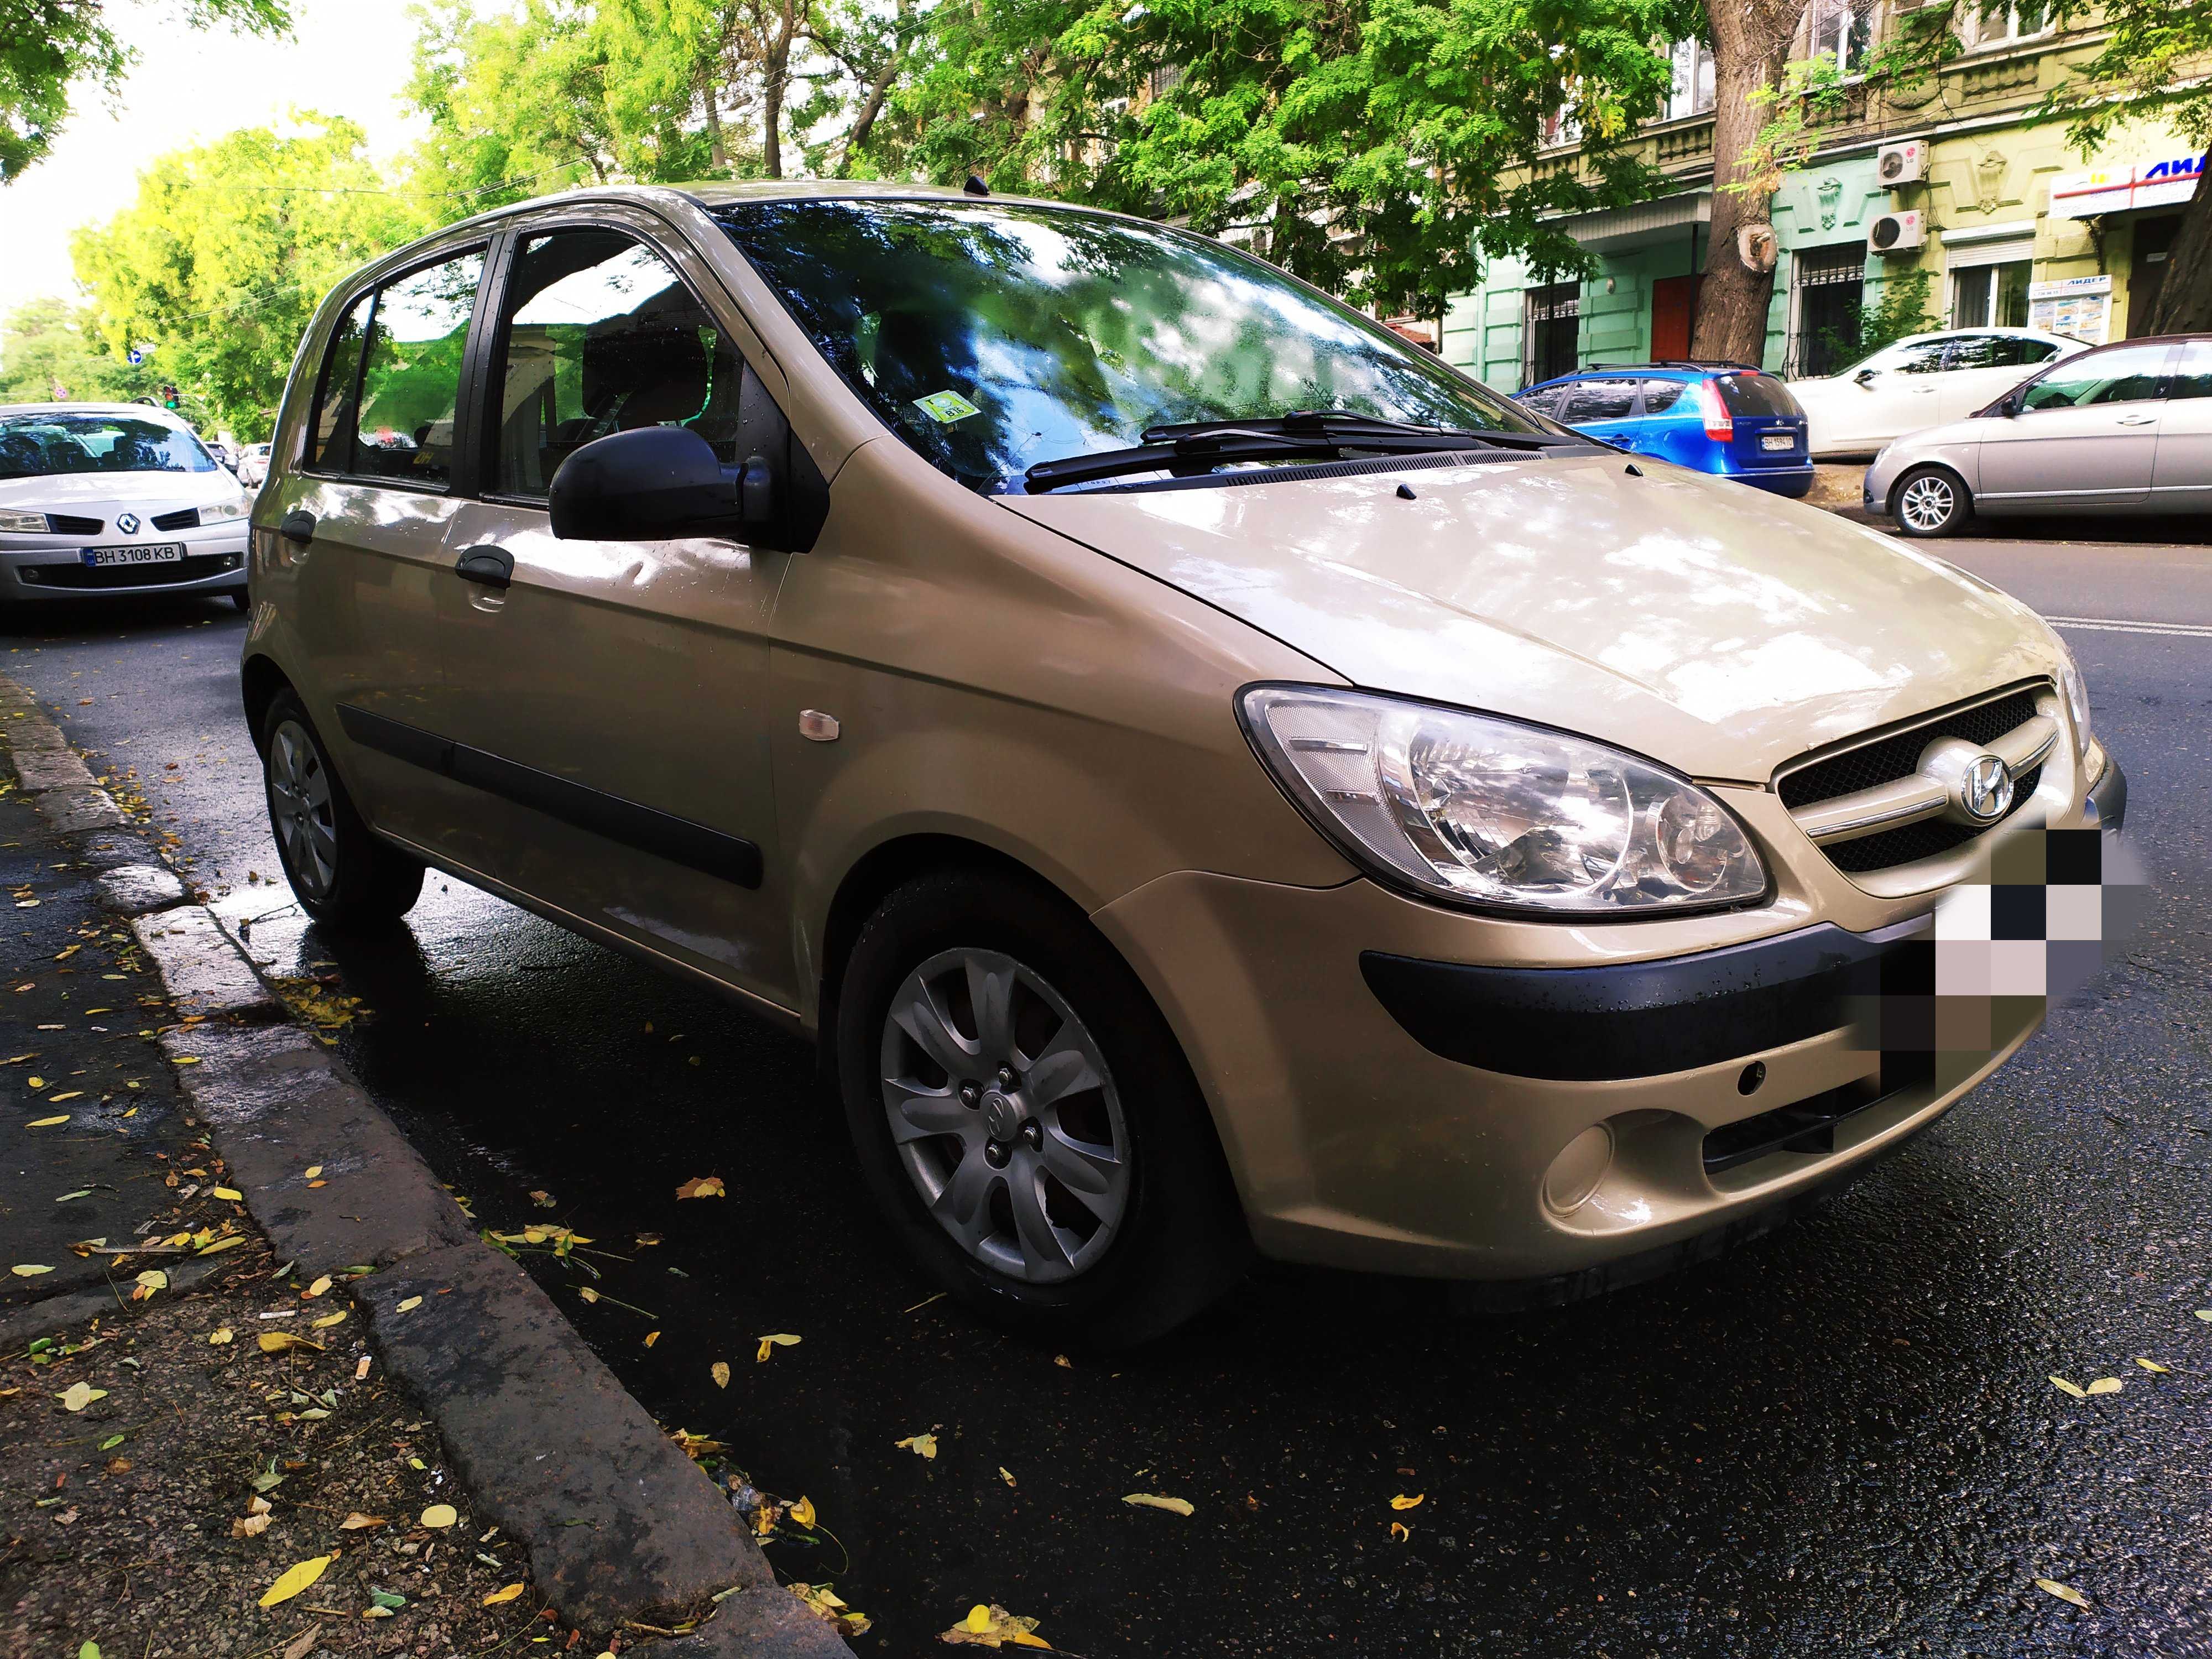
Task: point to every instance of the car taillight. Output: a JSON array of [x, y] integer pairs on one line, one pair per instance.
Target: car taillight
[[1720, 425]]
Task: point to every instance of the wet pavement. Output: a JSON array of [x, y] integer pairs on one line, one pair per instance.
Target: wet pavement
[[1842, 1434]]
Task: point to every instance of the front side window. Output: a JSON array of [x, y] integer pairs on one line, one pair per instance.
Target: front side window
[[1921, 357], [602, 336], [410, 375], [2128, 375], [994, 336], [330, 432], [42, 446]]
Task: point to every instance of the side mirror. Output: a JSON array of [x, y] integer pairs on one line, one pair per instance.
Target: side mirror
[[1866, 377], [654, 483]]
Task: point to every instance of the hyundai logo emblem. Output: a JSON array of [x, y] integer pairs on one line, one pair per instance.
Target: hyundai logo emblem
[[1986, 790], [127, 523]]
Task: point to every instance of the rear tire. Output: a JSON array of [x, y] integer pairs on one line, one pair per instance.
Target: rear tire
[[343, 875], [1931, 501], [959, 975]]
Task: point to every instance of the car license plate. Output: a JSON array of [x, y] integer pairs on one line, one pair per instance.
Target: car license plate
[[150, 553], [1777, 441]]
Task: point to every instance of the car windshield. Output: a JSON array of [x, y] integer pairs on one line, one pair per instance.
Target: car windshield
[[38, 445], [994, 336]]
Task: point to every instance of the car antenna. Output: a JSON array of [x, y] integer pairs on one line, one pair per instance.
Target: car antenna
[[976, 186]]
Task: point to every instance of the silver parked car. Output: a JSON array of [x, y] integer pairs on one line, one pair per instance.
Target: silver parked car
[[98, 498], [2124, 428]]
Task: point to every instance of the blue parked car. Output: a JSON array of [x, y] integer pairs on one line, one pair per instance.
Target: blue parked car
[[1725, 418]]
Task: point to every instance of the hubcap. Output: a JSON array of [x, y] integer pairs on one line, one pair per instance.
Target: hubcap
[[300, 808], [1926, 504], [1004, 1115]]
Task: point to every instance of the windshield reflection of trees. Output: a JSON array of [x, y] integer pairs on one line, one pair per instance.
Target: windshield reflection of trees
[[1071, 332]]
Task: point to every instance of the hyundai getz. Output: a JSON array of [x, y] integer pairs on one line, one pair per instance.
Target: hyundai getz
[[1212, 777]]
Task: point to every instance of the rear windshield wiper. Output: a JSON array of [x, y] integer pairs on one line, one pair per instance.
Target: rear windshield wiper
[[1200, 446]]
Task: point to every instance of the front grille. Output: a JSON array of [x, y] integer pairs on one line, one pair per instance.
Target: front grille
[[1924, 840], [69, 524], [185, 518], [189, 569], [1888, 759]]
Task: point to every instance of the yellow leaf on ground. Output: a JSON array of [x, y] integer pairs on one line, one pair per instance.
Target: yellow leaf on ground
[[499, 1595], [151, 1280], [992, 1627], [329, 1319], [439, 1515], [280, 1341], [720, 1370], [2073, 1388], [294, 1579], [313, 1169], [652, 1337], [591, 1295], [46, 1122], [230, 1193], [319, 1285], [1153, 1501], [803, 1511], [1400, 1531], [922, 1445], [29, 1270], [1402, 1501], [769, 1344], [231, 1243], [249, 1525], [2064, 1592], [356, 1521], [78, 1395], [703, 1187], [219, 1338], [408, 1305], [1005, 1474], [2106, 1385], [2153, 1365]]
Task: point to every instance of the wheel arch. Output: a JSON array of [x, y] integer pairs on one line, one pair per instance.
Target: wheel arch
[[1958, 478], [259, 680]]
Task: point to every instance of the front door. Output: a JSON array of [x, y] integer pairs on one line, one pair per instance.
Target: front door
[[608, 700], [2086, 437], [1892, 393]]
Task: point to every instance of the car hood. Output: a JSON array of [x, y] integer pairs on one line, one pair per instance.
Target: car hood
[[87, 492], [1712, 626]]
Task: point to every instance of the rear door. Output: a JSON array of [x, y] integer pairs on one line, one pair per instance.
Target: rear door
[[611, 700], [368, 513], [2181, 477], [2086, 439]]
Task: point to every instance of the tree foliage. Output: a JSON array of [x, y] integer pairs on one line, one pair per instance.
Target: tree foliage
[[227, 248], [53, 50], [50, 351]]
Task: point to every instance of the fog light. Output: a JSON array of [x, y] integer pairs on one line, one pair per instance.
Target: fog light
[[1574, 1173]]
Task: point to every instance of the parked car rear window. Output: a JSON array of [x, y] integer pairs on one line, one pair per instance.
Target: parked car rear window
[[1599, 400], [992, 336], [39, 446], [1755, 394]]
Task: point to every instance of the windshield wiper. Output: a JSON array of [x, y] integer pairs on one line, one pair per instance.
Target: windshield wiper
[[1197, 447]]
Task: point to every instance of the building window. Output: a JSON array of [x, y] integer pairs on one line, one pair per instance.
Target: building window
[[1550, 334], [1842, 31], [1693, 91], [1990, 296], [2000, 22], [1827, 289]]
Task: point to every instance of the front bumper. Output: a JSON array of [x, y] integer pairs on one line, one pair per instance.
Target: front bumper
[[50, 568]]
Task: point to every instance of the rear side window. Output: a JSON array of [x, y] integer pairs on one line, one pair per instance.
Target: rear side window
[[1660, 395], [1755, 394], [1599, 400], [1979, 351]]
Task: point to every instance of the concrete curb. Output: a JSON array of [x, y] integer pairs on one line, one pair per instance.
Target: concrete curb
[[620, 1525]]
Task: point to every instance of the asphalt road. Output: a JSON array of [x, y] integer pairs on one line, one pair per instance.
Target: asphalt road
[[1841, 1436]]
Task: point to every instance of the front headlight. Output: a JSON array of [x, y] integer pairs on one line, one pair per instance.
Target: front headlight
[[237, 507], [1491, 812], [28, 524], [2077, 692]]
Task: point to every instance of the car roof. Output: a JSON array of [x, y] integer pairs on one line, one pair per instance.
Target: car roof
[[150, 411], [1656, 370]]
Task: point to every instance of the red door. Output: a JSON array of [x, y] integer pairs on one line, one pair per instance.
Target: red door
[[1674, 308]]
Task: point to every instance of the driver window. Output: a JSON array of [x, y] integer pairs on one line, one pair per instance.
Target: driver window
[[601, 336], [2127, 375]]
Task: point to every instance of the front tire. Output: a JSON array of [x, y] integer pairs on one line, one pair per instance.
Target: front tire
[[1931, 501], [1025, 1119], [343, 875]]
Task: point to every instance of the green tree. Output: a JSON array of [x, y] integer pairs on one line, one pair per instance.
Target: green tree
[[221, 259], [51, 50], [1380, 149], [50, 352]]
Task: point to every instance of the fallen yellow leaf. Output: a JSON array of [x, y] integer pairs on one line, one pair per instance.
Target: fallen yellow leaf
[[151, 1280], [294, 1579], [313, 1169], [720, 1370], [922, 1445], [329, 1319], [591, 1295], [2106, 1385], [992, 1627], [230, 1193], [280, 1341], [29, 1270], [230, 1242], [2153, 1365], [652, 1337], [1400, 1531], [2073, 1388], [46, 1122], [1153, 1501], [1005, 1474], [319, 1285], [499, 1595], [439, 1515], [769, 1344], [803, 1511], [408, 1305], [1402, 1501], [703, 1187], [356, 1521], [220, 1337], [78, 1395], [2064, 1592]]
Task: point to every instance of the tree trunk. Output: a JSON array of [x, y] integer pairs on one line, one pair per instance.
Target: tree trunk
[[710, 96], [1732, 300], [2185, 298]]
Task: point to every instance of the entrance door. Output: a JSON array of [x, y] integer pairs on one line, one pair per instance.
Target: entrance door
[[2085, 439], [2154, 248], [1674, 312], [1552, 332], [1828, 287]]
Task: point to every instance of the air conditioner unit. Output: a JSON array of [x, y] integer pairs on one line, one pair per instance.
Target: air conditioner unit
[[1902, 164], [1897, 233]]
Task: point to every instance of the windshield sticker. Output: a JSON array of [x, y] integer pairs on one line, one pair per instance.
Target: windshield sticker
[[947, 407]]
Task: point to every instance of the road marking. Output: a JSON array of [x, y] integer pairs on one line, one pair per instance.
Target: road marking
[[2109, 625]]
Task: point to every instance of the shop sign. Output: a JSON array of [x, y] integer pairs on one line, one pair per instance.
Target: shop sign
[[2079, 306], [2167, 182]]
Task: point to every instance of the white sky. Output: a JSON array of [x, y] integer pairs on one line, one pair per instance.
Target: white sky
[[345, 57]]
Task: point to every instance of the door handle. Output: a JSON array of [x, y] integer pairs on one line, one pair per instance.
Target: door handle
[[298, 525], [2136, 420], [490, 565]]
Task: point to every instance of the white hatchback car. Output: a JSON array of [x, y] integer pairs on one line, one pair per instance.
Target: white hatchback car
[[1924, 380], [114, 498]]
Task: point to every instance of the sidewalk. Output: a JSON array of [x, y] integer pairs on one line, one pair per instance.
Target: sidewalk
[[250, 1352]]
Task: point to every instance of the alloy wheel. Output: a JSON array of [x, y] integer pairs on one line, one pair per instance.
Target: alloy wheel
[[1005, 1116], [299, 806], [1928, 502]]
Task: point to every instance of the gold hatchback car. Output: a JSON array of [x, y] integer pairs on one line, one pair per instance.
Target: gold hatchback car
[[1211, 776]]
